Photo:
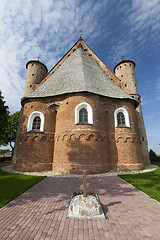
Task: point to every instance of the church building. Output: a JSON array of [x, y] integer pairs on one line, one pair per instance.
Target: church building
[[80, 116]]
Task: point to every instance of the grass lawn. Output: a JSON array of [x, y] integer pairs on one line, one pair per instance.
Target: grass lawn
[[146, 182], [12, 185]]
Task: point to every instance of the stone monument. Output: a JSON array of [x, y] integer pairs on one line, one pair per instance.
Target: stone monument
[[85, 205]]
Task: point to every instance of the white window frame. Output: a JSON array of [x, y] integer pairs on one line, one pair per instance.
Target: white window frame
[[126, 115], [89, 111], [32, 117]]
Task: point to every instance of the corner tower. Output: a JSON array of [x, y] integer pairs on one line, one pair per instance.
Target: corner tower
[[36, 71], [125, 71]]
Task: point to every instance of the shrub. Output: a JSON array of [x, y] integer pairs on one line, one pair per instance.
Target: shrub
[[152, 153]]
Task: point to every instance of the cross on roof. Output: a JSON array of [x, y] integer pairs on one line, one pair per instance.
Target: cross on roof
[[85, 184], [81, 34], [38, 58]]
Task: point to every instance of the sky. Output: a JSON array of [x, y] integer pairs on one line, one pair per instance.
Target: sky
[[128, 28]]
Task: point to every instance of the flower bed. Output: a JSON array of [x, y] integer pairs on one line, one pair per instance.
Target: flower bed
[[81, 193]]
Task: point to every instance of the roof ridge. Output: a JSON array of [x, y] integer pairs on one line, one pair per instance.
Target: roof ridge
[[82, 51], [112, 83]]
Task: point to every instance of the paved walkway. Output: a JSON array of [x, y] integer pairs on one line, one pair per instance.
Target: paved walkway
[[41, 212]]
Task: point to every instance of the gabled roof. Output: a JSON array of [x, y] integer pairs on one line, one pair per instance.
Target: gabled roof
[[91, 54], [79, 73]]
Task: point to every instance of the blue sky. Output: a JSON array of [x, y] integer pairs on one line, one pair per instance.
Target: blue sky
[[129, 28]]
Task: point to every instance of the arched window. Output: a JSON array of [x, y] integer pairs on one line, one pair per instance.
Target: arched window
[[83, 114], [121, 118], [36, 122]]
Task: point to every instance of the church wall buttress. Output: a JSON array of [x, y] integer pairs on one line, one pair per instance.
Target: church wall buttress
[[84, 146], [34, 149], [128, 141], [125, 71]]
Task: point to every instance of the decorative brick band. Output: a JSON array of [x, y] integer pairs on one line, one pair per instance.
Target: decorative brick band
[[90, 136]]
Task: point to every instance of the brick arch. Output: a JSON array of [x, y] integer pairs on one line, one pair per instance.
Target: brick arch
[[35, 138], [58, 137], [128, 139], [89, 111], [43, 138], [120, 139], [65, 137], [91, 137], [32, 116], [73, 137], [126, 116], [112, 139], [105, 138], [82, 137], [99, 138]]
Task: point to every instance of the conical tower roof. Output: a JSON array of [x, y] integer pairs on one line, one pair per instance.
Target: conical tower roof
[[79, 73]]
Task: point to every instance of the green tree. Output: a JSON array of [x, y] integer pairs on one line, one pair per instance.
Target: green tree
[[152, 153], [4, 151], [4, 113], [10, 134]]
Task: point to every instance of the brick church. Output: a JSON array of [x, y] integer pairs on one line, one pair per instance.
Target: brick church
[[80, 115]]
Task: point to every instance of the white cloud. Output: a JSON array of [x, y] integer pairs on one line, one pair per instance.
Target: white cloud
[[49, 28], [137, 30], [46, 28], [144, 18]]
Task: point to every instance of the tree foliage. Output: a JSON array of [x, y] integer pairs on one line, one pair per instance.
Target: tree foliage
[[4, 151], [152, 153], [10, 134], [4, 113], [8, 124]]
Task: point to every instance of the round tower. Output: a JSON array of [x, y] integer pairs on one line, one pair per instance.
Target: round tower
[[125, 71], [36, 71]]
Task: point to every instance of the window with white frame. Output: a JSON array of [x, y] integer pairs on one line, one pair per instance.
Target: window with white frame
[[36, 122], [121, 118], [83, 114]]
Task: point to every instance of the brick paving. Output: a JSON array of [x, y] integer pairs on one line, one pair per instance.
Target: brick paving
[[41, 212]]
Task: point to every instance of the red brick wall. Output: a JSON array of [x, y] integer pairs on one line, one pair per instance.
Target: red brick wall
[[125, 71], [36, 71], [71, 148], [34, 150]]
